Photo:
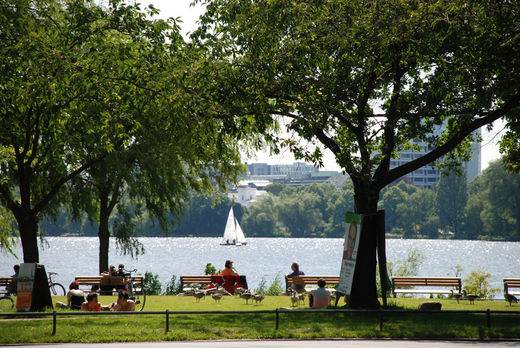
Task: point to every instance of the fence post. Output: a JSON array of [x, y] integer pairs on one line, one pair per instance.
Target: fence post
[[277, 319], [53, 323], [488, 318], [381, 319], [167, 321]]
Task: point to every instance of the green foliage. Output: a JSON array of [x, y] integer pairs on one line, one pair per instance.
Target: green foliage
[[477, 283], [262, 287], [8, 232], [173, 287], [366, 79], [210, 270], [452, 200], [151, 284], [457, 270], [409, 266], [276, 287]]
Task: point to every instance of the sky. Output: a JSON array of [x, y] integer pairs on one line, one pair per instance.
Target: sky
[[189, 16]]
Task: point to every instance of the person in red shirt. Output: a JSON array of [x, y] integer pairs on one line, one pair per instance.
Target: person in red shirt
[[228, 269]]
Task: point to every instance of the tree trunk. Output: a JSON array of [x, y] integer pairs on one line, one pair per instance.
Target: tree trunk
[[103, 232], [28, 226], [364, 290]]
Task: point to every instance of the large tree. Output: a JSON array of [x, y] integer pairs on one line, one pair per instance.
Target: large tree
[[64, 86], [452, 198], [365, 78], [500, 191], [177, 146]]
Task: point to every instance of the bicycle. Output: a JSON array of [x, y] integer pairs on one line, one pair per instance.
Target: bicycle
[[56, 288], [134, 287]]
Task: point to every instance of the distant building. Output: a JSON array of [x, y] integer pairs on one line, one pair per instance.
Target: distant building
[[296, 174], [428, 175], [259, 175], [248, 192]]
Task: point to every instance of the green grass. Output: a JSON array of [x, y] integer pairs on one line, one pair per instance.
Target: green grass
[[262, 325]]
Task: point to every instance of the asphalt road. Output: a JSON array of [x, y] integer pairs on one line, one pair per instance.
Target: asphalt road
[[294, 344]]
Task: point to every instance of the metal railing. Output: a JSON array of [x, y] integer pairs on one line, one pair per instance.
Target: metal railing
[[381, 313]]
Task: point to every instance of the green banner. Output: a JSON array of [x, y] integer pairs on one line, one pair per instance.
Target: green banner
[[352, 218]]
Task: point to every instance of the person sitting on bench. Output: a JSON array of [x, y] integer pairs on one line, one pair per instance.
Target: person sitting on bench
[[295, 267], [319, 297], [12, 289]]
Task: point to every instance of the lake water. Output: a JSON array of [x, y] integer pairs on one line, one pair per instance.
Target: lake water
[[268, 257]]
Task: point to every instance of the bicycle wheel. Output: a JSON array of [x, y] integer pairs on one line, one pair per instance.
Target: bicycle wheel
[[140, 301], [57, 289], [6, 303]]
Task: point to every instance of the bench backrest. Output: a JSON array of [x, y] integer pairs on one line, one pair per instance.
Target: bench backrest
[[511, 283], [195, 279], [8, 281], [106, 280], [427, 281], [312, 280]]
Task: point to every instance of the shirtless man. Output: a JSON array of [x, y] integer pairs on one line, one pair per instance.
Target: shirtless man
[[124, 303]]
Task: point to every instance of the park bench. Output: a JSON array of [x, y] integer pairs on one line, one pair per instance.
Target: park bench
[[310, 280], [408, 282], [202, 280], [6, 282], [228, 282], [113, 282], [511, 283]]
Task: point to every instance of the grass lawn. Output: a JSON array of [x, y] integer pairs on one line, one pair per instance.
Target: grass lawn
[[262, 325]]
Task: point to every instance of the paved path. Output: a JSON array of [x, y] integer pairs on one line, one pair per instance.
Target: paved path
[[295, 344]]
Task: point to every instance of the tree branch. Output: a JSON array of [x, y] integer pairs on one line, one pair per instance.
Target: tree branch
[[442, 150], [56, 187]]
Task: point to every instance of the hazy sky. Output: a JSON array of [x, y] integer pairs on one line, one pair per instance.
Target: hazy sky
[[189, 15]]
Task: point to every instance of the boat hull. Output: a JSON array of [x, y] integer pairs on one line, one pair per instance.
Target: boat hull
[[231, 244]]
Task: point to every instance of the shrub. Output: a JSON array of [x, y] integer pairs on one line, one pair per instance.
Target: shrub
[[210, 270], [173, 287], [276, 288], [151, 284], [409, 266], [478, 283], [262, 287]]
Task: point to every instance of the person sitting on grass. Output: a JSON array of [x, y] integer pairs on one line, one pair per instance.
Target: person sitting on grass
[[124, 303], [75, 297], [319, 297], [92, 304]]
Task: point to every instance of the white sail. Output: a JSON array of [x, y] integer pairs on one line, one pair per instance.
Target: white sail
[[240, 234], [230, 236], [233, 234]]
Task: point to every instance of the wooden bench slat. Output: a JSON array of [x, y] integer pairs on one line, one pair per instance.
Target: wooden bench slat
[[453, 282], [311, 280], [511, 283]]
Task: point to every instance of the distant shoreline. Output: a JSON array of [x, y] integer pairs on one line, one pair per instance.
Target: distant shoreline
[[70, 235]]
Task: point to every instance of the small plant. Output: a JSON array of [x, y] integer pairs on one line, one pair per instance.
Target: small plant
[[478, 283], [276, 287], [210, 270], [409, 266], [262, 287], [457, 270], [151, 284], [173, 287]]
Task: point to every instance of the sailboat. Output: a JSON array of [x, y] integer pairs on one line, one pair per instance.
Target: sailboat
[[233, 234]]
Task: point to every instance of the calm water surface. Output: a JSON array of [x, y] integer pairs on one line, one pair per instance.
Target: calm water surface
[[268, 257]]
